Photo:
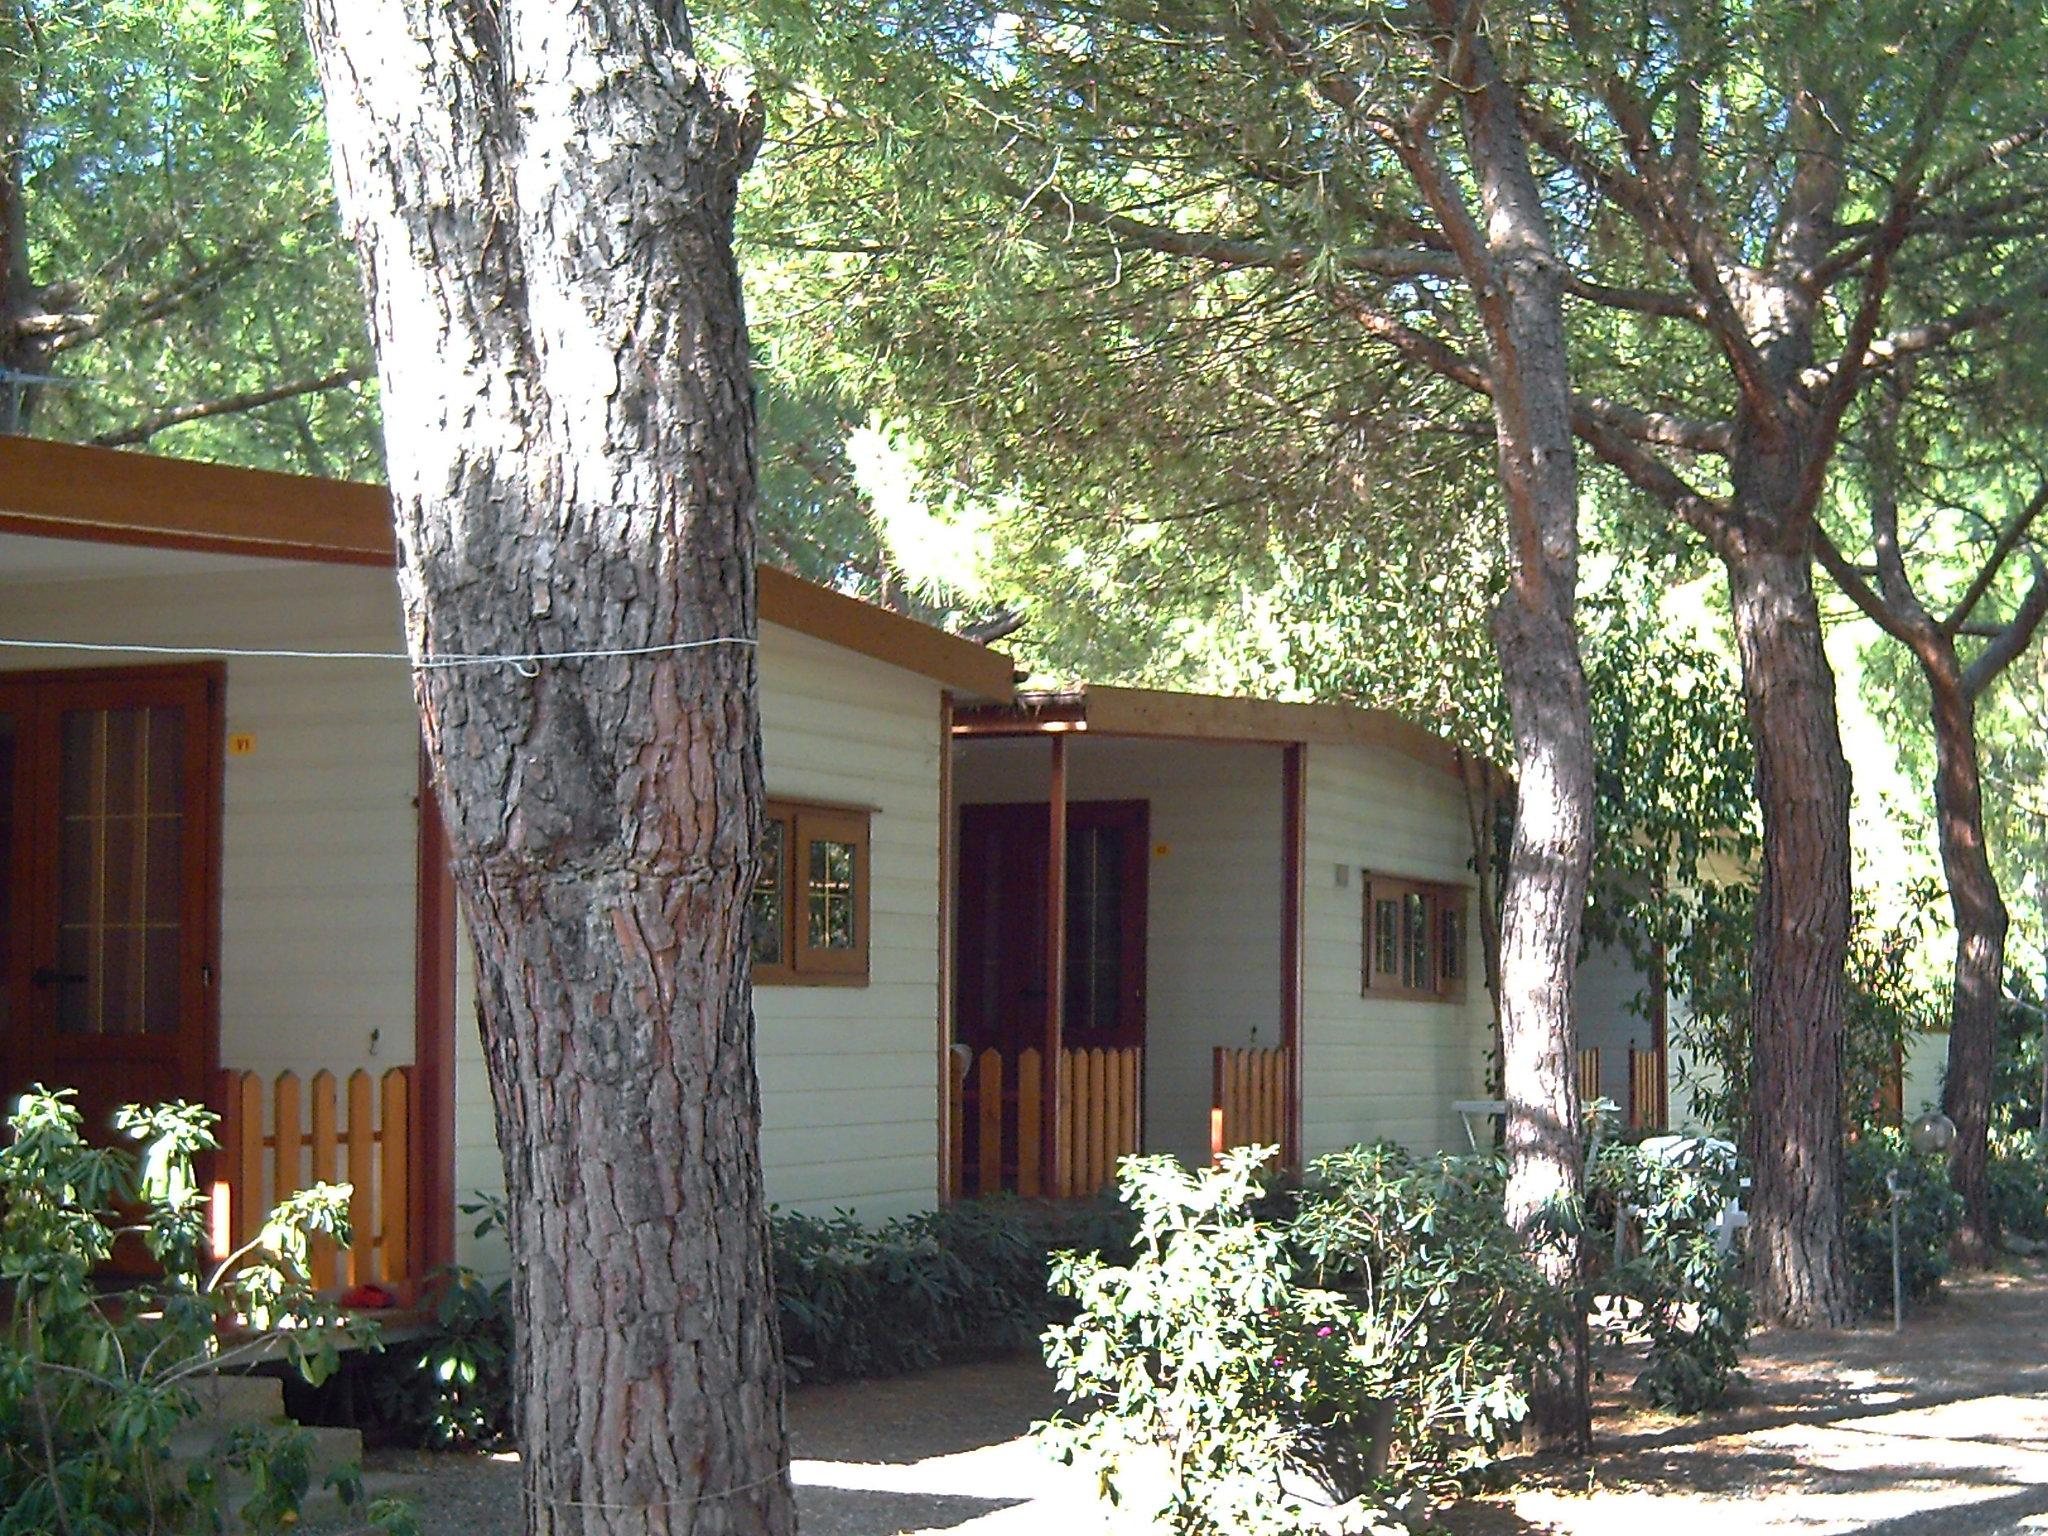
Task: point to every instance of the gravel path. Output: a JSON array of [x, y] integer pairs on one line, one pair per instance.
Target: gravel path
[[1941, 1431]]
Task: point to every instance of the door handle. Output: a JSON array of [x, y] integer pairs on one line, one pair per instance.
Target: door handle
[[50, 976]]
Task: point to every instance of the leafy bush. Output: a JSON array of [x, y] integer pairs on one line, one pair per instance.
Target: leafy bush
[[854, 1302], [1218, 1384], [1928, 1212], [453, 1392], [1225, 1392], [968, 1279], [1688, 1293], [2019, 1183], [2016, 1069], [94, 1388], [1420, 1246]]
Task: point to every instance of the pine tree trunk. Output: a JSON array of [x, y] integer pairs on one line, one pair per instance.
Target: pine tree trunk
[[542, 196], [1981, 922], [20, 302], [1535, 632], [1797, 1248]]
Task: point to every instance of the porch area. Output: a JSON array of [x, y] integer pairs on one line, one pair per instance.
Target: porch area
[[220, 879], [279, 1136], [1125, 950]]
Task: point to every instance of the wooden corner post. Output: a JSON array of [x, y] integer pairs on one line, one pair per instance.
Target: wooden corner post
[[1052, 1154], [1294, 838], [949, 1132], [432, 1111]]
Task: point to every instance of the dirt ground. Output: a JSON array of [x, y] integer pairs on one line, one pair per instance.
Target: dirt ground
[[1939, 1431]]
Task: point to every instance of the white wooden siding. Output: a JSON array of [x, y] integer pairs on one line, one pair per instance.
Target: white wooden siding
[[317, 878], [1376, 1068], [849, 1075], [1212, 904], [320, 832], [1610, 995]]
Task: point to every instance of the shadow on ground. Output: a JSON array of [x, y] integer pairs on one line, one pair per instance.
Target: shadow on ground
[[1939, 1431]]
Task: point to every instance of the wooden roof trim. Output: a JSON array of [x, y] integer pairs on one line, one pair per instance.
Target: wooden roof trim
[[1104, 710], [109, 496], [103, 495], [965, 666], [1155, 712]]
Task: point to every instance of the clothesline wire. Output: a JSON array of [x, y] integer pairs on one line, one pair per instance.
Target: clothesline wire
[[525, 663]]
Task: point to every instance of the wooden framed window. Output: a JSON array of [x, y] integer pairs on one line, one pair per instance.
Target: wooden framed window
[[810, 904], [1415, 938]]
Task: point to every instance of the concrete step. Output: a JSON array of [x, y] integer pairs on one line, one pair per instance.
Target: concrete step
[[232, 1403], [327, 1448], [231, 1399]]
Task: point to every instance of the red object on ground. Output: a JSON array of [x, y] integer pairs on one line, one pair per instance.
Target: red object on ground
[[367, 1298]]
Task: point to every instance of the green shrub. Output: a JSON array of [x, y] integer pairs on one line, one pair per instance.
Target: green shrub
[[1211, 1378], [968, 1279], [1223, 1391], [2016, 1066], [2019, 1183], [1928, 1212], [854, 1302], [93, 1388], [1689, 1298], [1420, 1246], [454, 1391]]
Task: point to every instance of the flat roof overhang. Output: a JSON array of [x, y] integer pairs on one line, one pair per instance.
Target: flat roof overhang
[[1161, 715], [103, 495]]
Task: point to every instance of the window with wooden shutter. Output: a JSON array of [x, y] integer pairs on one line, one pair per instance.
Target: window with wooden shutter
[[810, 907], [1414, 939]]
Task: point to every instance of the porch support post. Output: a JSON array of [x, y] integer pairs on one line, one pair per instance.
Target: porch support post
[[1293, 850], [1660, 1020], [948, 1131], [432, 1108], [1052, 1153]]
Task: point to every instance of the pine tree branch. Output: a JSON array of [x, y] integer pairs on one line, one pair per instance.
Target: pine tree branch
[[1866, 597], [1649, 473], [2013, 638], [157, 303], [1664, 213], [1889, 351], [228, 405], [1850, 370], [2001, 550]]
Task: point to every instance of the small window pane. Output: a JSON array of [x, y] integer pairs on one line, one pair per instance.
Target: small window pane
[[8, 937], [769, 885], [830, 918], [1452, 962], [1094, 928], [1386, 939], [1415, 940], [120, 871]]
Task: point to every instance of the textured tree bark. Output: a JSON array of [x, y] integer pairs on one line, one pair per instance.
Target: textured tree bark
[[1981, 922], [542, 194], [1798, 1253], [1535, 632], [20, 300]]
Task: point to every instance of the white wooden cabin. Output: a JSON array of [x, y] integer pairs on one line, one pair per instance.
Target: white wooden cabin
[[223, 880]]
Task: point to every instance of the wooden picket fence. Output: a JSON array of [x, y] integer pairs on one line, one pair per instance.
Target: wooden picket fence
[[279, 1137], [1645, 1090], [1248, 1098], [1589, 1074], [998, 1109]]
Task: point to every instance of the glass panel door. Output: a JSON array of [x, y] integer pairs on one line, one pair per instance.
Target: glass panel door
[[120, 870], [10, 938], [109, 790], [1095, 929]]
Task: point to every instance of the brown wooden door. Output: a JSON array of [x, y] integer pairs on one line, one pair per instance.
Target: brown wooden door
[[1000, 996], [109, 787]]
